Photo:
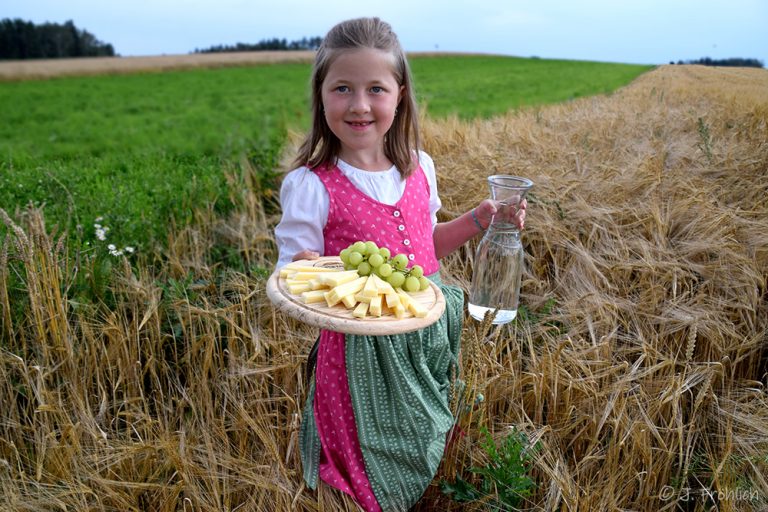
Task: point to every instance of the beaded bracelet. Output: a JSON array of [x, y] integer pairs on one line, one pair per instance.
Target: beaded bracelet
[[477, 222]]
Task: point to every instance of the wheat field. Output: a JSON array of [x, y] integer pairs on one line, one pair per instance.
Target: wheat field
[[640, 371]]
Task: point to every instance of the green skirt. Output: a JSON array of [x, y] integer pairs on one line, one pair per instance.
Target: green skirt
[[399, 387]]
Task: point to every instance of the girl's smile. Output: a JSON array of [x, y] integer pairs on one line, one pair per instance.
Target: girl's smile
[[359, 125], [360, 95]]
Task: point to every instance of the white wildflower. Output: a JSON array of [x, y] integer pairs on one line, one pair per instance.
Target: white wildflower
[[111, 247], [129, 249]]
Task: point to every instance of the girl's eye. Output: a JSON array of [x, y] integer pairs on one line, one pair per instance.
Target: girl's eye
[[377, 90], [342, 88]]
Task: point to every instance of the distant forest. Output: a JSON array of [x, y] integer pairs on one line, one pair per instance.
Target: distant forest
[[312, 43], [734, 62], [21, 39]]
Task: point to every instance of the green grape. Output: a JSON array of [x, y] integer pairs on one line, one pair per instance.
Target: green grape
[[355, 258], [344, 255], [364, 269], [349, 266], [416, 271], [371, 248], [384, 270], [359, 247], [385, 253], [423, 283], [411, 284], [375, 260], [400, 261], [396, 279]]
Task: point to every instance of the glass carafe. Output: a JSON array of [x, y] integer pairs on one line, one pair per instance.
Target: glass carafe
[[498, 263]]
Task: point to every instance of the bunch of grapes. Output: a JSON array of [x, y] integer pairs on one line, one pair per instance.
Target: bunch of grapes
[[368, 258]]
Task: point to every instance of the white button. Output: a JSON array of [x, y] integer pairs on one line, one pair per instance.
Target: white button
[[401, 228], [397, 213], [411, 257], [406, 242]]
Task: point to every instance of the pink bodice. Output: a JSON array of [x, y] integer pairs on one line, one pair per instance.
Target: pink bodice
[[405, 227]]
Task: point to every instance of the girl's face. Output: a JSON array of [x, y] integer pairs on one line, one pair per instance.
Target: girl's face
[[360, 95]]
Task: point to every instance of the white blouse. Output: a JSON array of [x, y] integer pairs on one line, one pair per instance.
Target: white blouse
[[305, 203]]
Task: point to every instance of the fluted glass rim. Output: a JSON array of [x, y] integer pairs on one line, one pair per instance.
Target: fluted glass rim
[[510, 182]]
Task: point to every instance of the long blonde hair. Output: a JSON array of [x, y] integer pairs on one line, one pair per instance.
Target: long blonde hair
[[321, 147]]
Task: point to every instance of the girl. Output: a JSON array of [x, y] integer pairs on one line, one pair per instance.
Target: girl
[[377, 414]]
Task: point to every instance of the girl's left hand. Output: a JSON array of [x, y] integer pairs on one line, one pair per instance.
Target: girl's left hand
[[514, 214]]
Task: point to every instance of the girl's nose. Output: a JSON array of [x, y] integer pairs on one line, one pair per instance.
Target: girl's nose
[[359, 104]]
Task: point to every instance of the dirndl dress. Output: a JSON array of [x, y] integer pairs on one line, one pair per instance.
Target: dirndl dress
[[378, 410]]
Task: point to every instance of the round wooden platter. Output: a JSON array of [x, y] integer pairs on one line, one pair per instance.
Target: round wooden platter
[[338, 318]]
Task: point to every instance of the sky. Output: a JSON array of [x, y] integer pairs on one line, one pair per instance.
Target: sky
[[629, 31]]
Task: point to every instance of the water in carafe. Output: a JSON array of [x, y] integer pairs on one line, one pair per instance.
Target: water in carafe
[[498, 265]]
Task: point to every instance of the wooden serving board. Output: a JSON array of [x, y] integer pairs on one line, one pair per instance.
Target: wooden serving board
[[339, 318]]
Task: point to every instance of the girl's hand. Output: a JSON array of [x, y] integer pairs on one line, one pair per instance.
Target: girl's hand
[[306, 255], [514, 214]]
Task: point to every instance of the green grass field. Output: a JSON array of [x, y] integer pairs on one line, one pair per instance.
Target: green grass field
[[139, 151], [483, 86]]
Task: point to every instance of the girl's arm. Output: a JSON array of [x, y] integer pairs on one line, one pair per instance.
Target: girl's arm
[[304, 202], [449, 236]]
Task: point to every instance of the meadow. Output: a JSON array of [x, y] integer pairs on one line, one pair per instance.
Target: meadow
[[138, 150], [635, 373]]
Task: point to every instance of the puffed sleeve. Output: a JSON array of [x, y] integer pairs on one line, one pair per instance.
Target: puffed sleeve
[[428, 166], [304, 202]]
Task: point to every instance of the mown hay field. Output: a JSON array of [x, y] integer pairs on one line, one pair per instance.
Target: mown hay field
[[638, 370], [51, 68]]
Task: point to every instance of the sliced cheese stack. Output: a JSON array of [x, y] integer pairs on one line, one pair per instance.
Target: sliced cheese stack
[[365, 296]]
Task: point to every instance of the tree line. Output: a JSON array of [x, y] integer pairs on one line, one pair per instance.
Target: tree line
[[21, 39], [733, 62], [312, 43]]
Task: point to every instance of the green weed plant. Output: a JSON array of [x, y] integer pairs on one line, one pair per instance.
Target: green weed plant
[[504, 479]]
